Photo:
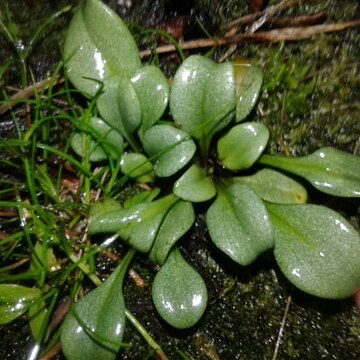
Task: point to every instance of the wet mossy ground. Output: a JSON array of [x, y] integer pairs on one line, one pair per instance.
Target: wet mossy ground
[[310, 99]]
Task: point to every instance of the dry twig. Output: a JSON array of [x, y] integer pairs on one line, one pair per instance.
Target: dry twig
[[138, 280], [59, 315], [306, 20], [53, 352], [272, 36], [18, 264], [29, 92], [282, 327], [267, 13]]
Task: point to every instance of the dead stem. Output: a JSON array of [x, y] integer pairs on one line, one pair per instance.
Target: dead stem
[[8, 213], [18, 264], [296, 33], [53, 352], [59, 315], [138, 280], [282, 328], [306, 20], [267, 16], [29, 92], [269, 12], [271, 36]]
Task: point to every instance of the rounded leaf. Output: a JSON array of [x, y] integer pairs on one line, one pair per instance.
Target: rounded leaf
[[15, 300], [152, 89], [138, 167], [119, 106], [179, 293], [273, 186], [98, 45], [176, 223], [194, 185], [316, 249], [242, 145], [171, 149], [248, 80], [187, 102], [239, 224], [202, 96]]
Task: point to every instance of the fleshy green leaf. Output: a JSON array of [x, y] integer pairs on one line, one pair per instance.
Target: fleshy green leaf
[[194, 185], [239, 224], [172, 149], [248, 81], [272, 186], [179, 293], [242, 145], [176, 223], [105, 141], [98, 46], [15, 300], [316, 249], [137, 225], [120, 107], [202, 97], [94, 327], [329, 170], [138, 167], [152, 89]]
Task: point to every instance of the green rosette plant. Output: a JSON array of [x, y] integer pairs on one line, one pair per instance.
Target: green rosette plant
[[254, 205]]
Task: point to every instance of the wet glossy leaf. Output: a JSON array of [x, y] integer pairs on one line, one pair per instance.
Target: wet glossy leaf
[[238, 224], [98, 46], [316, 249], [329, 170], [242, 145], [120, 107], [152, 89], [203, 96], [137, 225], [138, 167], [176, 223], [179, 292], [94, 327], [172, 149], [273, 186], [194, 185], [248, 80], [15, 300], [105, 141]]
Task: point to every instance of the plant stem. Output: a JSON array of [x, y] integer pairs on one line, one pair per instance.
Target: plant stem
[[151, 342]]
